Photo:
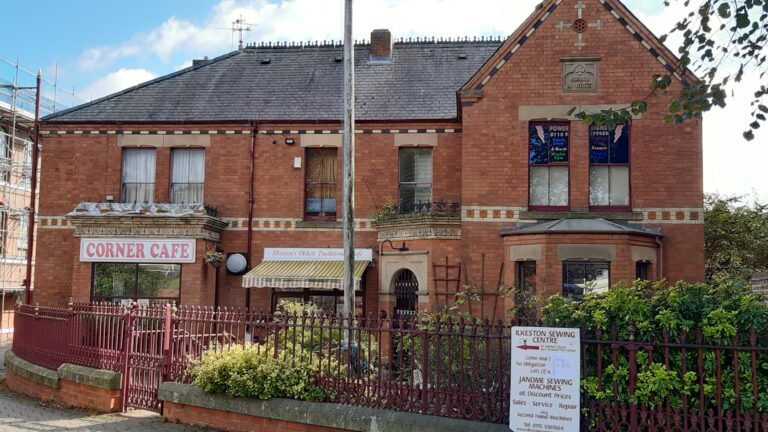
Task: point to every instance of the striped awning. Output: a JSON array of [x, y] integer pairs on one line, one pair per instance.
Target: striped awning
[[301, 274]]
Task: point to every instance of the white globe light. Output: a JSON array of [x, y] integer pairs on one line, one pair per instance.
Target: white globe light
[[236, 263]]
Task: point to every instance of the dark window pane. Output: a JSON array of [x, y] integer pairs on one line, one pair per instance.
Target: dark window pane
[[641, 270], [159, 280], [585, 277], [620, 144], [526, 276], [114, 280]]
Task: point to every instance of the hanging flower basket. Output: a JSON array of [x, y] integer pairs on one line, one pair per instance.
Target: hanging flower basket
[[214, 258]]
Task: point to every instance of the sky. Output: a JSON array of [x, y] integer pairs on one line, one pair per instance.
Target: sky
[[98, 47]]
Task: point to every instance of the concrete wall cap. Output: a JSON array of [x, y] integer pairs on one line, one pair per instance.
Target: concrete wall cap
[[321, 414], [89, 376], [31, 371]]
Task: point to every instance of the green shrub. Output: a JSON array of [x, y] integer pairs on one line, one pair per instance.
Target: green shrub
[[252, 370], [723, 313]]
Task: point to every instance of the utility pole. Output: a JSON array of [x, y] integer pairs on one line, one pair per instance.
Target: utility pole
[[33, 194], [348, 186]]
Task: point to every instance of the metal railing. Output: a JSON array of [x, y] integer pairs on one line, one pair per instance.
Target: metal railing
[[450, 367]]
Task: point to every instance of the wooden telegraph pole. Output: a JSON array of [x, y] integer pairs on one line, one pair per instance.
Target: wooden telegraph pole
[[348, 173]]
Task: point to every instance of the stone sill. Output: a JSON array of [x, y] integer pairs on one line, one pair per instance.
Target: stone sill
[[317, 224], [411, 220], [321, 414], [546, 215]]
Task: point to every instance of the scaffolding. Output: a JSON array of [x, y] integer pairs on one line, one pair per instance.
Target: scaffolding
[[17, 126]]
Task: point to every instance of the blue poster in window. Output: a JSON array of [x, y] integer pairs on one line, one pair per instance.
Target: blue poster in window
[[599, 141], [609, 146], [548, 143]]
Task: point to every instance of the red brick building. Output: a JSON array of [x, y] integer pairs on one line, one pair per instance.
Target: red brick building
[[465, 153]]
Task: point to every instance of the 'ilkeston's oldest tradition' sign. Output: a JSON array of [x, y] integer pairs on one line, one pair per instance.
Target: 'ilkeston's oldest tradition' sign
[[544, 393], [172, 251]]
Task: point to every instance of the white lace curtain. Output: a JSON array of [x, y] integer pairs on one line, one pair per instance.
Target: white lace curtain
[[188, 176], [138, 175]]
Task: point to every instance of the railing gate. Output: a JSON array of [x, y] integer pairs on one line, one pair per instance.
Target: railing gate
[[147, 355]]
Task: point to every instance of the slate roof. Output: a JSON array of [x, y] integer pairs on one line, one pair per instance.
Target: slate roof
[[595, 226], [298, 83]]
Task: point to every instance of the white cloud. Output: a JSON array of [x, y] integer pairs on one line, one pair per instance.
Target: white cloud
[[116, 81]]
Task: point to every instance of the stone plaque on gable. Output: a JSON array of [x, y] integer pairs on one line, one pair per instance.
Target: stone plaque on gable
[[580, 76]]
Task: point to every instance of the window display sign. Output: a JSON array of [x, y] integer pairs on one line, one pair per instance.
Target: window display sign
[[544, 391], [548, 142], [314, 254], [176, 251], [609, 145]]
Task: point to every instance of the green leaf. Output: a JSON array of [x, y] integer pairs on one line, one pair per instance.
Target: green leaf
[[749, 135], [571, 111], [742, 20], [674, 107], [724, 10]]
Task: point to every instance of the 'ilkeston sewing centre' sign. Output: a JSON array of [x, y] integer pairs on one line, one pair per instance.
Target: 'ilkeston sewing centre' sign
[[314, 254], [176, 251], [544, 391]]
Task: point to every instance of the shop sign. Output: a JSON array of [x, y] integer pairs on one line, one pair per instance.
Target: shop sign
[[176, 251], [544, 391], [314, 254]]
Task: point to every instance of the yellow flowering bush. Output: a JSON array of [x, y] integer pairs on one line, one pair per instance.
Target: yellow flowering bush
[[252, 370]]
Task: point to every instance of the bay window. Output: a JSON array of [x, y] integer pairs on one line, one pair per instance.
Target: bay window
[[609, 167], [138, 176], [415, 179], [548, 165], [187, 176]]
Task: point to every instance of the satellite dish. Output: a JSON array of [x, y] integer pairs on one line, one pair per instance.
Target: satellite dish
[[236, 263]]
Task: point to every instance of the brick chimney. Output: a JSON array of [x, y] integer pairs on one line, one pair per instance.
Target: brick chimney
[[381, 45]]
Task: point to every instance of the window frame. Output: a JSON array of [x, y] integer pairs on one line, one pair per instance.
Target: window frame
[[170, 179], [122, 174], [628, 165], [521, 274], [567, 263], [566, 165], [320, 217], [400, 183], [95, 298]]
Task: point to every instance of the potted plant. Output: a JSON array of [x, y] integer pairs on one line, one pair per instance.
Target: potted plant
[[214, 258]]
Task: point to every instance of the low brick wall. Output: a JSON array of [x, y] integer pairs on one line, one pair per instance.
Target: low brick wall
[[198, 416], [71, 385], [187, 404]]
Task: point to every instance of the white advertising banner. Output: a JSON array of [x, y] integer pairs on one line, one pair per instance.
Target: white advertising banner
[[169, 251], [314, 254], [544, 392]]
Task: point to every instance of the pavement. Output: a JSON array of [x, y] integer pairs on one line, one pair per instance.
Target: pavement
[[20, 413]]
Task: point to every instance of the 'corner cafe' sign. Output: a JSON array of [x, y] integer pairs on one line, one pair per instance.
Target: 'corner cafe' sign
[[544, 392], [171, 251]]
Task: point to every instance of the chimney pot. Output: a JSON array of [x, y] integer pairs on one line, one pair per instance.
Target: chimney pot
[[381, 45]]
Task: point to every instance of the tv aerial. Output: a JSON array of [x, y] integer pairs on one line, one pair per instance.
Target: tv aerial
[[239, 25]]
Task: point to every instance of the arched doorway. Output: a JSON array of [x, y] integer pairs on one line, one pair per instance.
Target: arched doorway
[[405, 286]]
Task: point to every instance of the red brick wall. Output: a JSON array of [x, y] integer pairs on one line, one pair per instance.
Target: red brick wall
[[666, 160], [229, 421], [69, 393], [485, 165]]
